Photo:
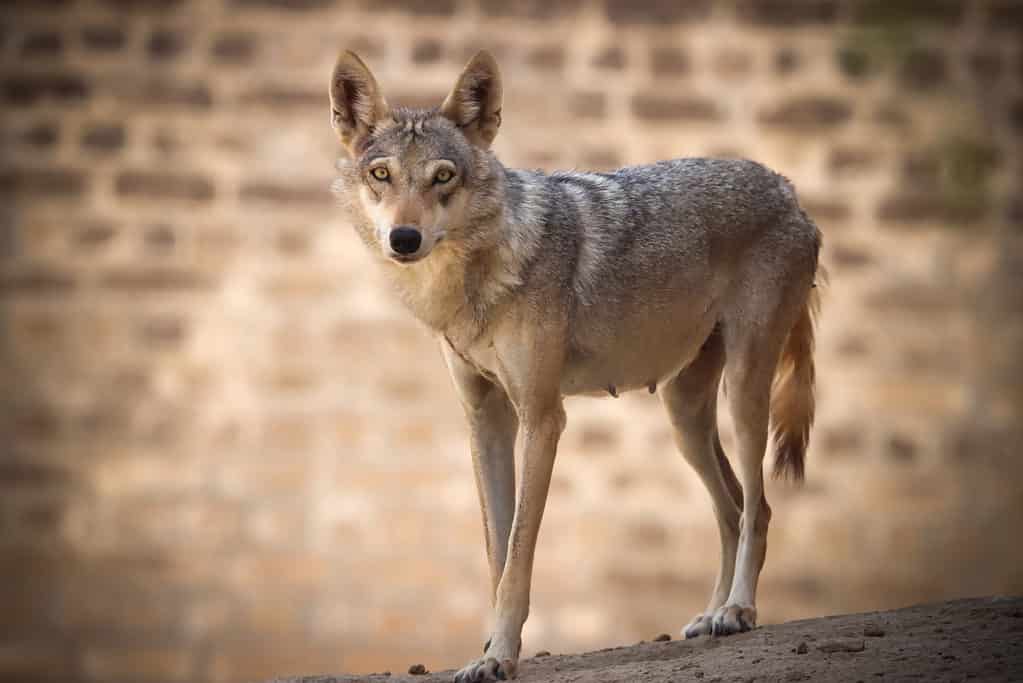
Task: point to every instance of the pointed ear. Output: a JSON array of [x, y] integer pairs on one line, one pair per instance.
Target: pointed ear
[[474, 104], [355, 100]]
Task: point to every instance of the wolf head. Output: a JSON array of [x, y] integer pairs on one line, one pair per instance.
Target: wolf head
[[416, 179]]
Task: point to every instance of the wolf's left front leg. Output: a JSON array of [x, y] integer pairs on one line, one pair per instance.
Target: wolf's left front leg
[[540, 429]]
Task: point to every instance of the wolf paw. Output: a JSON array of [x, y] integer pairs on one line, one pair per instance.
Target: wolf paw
[[730, 619], [487, 669], [701, 625]]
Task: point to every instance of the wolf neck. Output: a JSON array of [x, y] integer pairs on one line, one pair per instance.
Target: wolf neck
[[458, 290]]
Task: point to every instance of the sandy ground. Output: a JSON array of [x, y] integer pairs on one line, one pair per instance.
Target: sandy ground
[[978, 640]]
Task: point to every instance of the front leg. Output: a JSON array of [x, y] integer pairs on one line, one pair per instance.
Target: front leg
[[532, 374], [539, 440], [494, 425]]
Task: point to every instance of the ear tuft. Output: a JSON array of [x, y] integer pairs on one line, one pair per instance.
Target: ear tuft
[[356, 104], [474, 105]]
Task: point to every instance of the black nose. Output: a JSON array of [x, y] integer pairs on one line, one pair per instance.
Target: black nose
[[406, 240]]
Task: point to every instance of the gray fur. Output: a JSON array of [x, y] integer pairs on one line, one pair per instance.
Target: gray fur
[[680, 274]]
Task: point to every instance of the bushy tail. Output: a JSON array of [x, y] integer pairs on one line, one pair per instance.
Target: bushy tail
[[792, 394]]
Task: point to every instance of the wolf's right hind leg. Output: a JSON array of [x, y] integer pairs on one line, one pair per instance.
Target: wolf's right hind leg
[[691, 400]]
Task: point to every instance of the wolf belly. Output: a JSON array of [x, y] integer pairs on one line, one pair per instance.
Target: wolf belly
[[636, 355]]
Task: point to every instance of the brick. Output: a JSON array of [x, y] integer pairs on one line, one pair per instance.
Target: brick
[[1006, 15], [612, 58], [159, 238], [35, 422], [1016, 115], [8, 237], [40, 331], [42, 44], [163, 185], [164, 45], [903, 12], [155, 280], [162, 332], [282, 97], [846, 160], [292, 242], [29, 658], [781, 13], [597, 437], [288, 5], [911, 208], [51, 183], [427, 51], [666, 108], [38, 5], [428, 8], [103, 38], [929, 207], [539, 10], [900, 448], [277, 193], [235, 48], [854, 62], [808, 113], [588, 105], [732, 63], [923, 69], [852, 346], [27, 90], [986, 67], [842, 440], [103, 137], [41, 135], [656, 12], [1014, 212], [668, 61], [829, 210], [786, 61], [849, 257], [921, 171], [160, 93], [23, 474], [890, 115], [144, 5], [92, 234], [546, 57]]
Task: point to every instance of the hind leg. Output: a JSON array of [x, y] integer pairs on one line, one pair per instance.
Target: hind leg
[[752, 358], [691, 401]]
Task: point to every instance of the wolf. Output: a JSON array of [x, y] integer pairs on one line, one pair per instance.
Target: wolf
[[676, 277]]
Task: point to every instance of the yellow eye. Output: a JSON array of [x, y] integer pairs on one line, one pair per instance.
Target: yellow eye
[[443, 175], [381, 173]]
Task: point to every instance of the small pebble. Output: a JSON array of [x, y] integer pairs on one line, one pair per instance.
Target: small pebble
[[873, 632], [663, 638], [418, 670], [543, 653], [802, 649]]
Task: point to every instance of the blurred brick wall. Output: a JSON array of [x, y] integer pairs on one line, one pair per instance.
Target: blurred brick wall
[[226, 453]]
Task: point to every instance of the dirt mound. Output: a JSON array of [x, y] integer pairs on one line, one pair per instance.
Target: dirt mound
[[978, 639]]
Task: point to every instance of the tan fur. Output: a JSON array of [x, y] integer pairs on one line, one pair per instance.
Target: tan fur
[[678, 275], [792, 394]]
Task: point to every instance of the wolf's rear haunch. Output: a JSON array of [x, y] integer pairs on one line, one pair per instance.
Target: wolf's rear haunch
[[677, 276]]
